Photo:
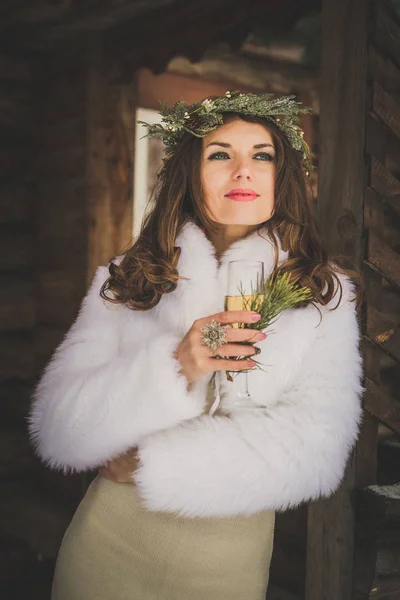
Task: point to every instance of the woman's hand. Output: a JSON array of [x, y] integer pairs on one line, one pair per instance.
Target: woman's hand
[[197, 360], [120, 469]]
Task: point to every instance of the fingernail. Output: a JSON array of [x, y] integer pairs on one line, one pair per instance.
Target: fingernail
[[255, 317], [252, 363], [261, 336]]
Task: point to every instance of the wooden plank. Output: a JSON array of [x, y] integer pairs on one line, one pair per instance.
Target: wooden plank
[[383, 258], [15, 203], [16, 355], [386, 34], [382, 70], [62, 212], [377, 572], [375, 144], [393, 595], [288, 564], [382, 406], [386, 108], [41, 521], [69, 133], [382, 181], [16, 249], [383, 145], [16, 456], [336, 520], [376, 564], [275, 592], [46, 341], [379, 503], [382, 215], [15, 68], [62, 162], [383, 332], [17, 302], [59, 295], [11, 95], [13, 162], [66, 252], [109, 161], [81, 20], [342, 177], [366, 459], [293, 522], [15, 399]]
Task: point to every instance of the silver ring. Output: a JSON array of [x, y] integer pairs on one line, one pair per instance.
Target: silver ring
[[214, 335]]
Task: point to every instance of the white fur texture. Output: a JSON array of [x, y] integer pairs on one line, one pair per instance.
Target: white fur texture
[[113, 384]]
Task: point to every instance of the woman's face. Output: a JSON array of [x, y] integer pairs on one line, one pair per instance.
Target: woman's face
[[238, 173]]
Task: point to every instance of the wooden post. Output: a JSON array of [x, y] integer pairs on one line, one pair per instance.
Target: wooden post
[[342, 178], [109, 158]]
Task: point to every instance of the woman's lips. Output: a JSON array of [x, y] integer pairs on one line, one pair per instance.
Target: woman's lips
[[242, 195]]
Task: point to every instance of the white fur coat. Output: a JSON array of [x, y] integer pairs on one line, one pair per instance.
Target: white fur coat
[[114, 383]]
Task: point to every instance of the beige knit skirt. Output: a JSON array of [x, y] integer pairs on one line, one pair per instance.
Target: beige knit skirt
[[115, 549]]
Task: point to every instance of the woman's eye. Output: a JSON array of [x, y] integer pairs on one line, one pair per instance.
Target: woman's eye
[[264, 156], [218, 156]]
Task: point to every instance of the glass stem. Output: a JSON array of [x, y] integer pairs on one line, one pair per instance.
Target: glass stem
[[244, 386]]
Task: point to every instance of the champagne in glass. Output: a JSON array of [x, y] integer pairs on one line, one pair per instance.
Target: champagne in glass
[[245, 279]]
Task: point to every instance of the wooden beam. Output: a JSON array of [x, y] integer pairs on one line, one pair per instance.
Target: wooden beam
[[387, 31], [382, 181], [15, 203], [14, 68], [383, 70], [342, 180], [109, 160], [383, 332], [387, 108], [378, 543], [16, 355], [384, 258], [382, 406]]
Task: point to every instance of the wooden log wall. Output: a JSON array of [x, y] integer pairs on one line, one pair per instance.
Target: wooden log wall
[[377, 550], [17, 307], [83, 176], [66, 155], [342, 168], [354, 537], [17, 302], [59, 172]]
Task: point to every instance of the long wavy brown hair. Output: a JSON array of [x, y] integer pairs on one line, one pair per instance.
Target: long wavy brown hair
[[149, 268]]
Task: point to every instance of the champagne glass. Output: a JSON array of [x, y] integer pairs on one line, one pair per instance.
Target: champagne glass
[[245, 279]]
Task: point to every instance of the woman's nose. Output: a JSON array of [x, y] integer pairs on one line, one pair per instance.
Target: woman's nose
[[242, 171]]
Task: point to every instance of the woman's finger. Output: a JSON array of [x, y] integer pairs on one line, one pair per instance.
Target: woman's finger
[[244, 335], [235, 350], [228, 317], [224, 364]]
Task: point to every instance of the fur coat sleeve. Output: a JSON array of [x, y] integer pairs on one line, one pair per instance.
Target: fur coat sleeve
[[274, 458], [95, 401]]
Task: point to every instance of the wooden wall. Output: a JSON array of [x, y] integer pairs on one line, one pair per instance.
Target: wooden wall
[[66, 155], [17, 302], [354, 537], [83, 212], [377, 548], [17, 310]]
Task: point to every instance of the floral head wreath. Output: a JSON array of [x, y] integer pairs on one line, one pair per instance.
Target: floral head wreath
[[201, 118]]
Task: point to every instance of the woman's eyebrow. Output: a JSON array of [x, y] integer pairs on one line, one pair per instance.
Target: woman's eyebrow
[[225, 145]]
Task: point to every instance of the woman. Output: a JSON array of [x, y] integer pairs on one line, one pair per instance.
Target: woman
[[130, 386]]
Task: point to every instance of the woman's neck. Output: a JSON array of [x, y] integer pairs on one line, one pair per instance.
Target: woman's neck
[[227, 235]]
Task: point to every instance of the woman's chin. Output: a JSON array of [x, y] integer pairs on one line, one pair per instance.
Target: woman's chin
[[238, 221]]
